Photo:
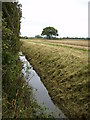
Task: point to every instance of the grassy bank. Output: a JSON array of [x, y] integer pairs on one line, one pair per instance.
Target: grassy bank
[[64, 71]]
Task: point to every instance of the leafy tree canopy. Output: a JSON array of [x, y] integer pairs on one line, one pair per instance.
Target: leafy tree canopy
[[49, 32]]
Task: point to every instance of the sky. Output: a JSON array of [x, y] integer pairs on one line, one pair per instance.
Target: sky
[[69, 17]]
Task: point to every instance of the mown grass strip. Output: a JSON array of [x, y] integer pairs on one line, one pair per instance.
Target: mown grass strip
[[60, 45]]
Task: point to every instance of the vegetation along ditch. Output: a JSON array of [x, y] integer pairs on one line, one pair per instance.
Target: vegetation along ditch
[[40, 93], [64, 72], [61, 65], [17, 97]]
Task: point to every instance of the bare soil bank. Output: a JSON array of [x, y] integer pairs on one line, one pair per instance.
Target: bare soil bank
[[64, 71]]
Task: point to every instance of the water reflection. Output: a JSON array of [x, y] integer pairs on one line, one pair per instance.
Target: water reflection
[[40, 92]]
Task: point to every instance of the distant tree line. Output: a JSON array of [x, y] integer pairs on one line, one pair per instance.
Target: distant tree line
[[52, 33], [55, 38], [74, 38]]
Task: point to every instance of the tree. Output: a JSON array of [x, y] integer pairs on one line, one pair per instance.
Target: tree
[[49, 32], [38, 36]]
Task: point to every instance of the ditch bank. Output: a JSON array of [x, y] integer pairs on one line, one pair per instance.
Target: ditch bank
[[64, 72], [40, 92]]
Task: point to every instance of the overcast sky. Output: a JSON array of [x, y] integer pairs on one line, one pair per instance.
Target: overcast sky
[[69, 17]]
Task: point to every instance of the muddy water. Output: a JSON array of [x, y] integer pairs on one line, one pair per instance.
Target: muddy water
[[39, 90]]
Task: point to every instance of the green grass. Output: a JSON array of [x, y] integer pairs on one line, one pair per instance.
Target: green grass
[[64, 71]]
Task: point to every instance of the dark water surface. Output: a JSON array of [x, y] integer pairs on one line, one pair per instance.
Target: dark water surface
[[39, 90]]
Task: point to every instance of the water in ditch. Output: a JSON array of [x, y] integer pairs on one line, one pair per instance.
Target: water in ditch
[[39, 90]]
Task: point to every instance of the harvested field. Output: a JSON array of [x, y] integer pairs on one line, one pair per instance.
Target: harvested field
[[64, 72], [81, 44]]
